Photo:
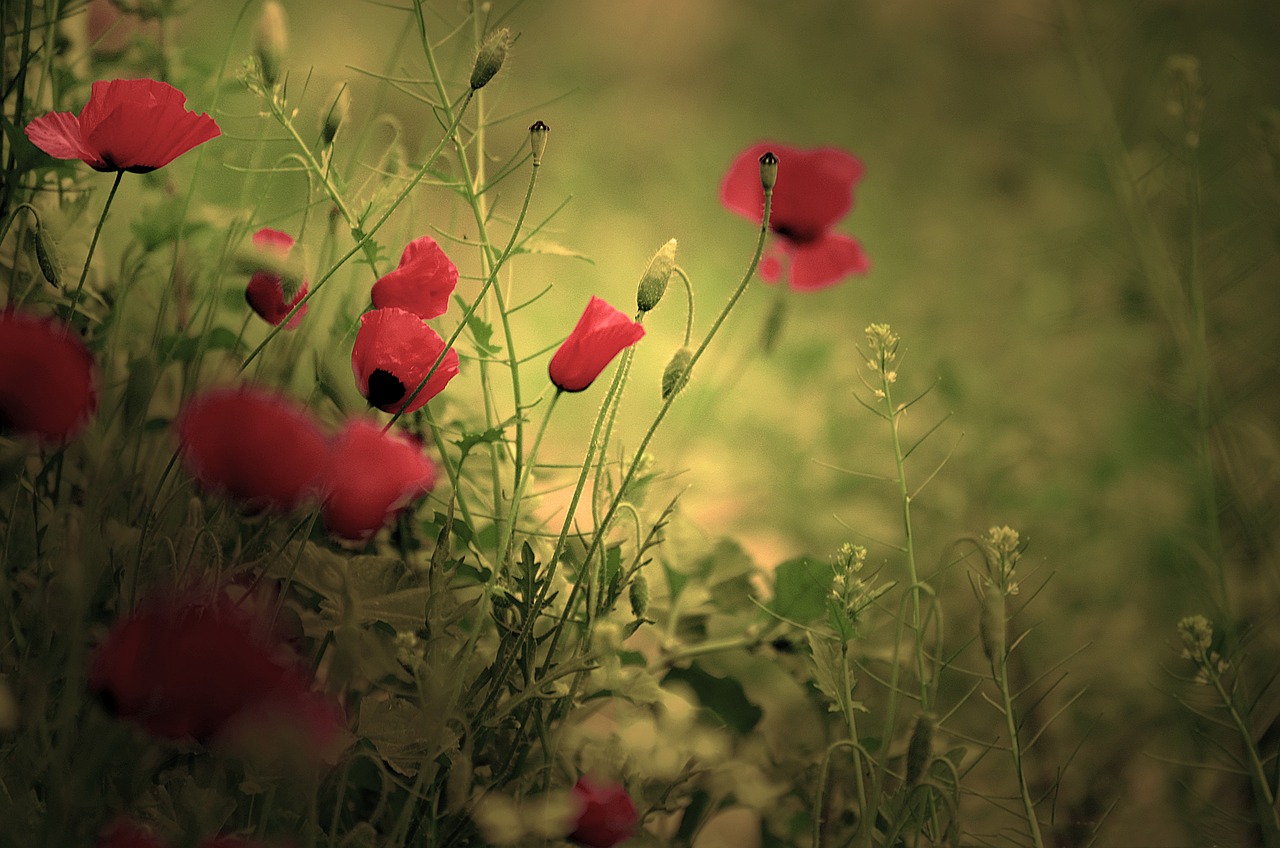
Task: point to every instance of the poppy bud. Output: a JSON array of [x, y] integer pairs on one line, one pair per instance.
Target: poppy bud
[[638, 594], [919, 748], [339, 109], [493, 52], [538, 140], [45, 256], [600, 334], [676, 374], [653, 285], [271, 40], [768, 170]]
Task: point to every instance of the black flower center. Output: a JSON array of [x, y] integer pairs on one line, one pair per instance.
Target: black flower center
[[384, 388], [796, 235]]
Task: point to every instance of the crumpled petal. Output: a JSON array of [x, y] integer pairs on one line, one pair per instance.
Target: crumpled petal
[[825, 262], [421, 283]]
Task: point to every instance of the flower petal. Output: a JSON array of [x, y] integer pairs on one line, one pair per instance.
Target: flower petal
[[825, 262], [370, 476], [421, 283], [814, 189], [47, 386], [394, 351], [600, 334], [58, 134]]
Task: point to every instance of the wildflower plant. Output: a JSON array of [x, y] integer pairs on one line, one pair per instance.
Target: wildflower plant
[[294, 555]]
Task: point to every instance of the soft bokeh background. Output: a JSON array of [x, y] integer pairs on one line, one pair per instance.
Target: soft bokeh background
[[1001, 140]]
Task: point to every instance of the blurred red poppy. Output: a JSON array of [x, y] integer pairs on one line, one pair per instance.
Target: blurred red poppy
[[422, 282], [123, 833], [127, 125], [393, 353], [47, 386], [253, 445], [601, 334], [813, 192], [370, 477], [606, 814], [191, 666], [265, 292]]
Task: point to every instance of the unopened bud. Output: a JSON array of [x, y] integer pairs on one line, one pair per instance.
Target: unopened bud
[[920, 748], [992, 628], [676, 374], [493, 52], [271, 40], [654, 282], [339, 108], [538, 140], [45, 256], [772, 329], [768, 170], [638, 594]]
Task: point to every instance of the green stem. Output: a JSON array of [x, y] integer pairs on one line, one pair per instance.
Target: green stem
[[894, 417], [688, 290], [1015, 749], [518, 495], [1257, 774], [93, 243]]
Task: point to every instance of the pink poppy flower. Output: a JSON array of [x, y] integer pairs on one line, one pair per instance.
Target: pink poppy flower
[[370, 477], [253, 445], [601, 334], [813, 192], [187, 666], [127, 125], [393, 353], [606, 814], [47, 386], [265, 292], [421, 283]]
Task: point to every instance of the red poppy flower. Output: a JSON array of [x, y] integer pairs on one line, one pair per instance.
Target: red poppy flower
[[372, 475], [421, 283], [47, 387], [123, 833], [265, 292], [127, 125], [601, 334], [253, 445], [198, 667], [606, 814], [813, 192], [393, 352]]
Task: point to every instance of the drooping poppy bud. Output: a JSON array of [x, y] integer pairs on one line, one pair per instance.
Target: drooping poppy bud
[[339, 109], [606, 814], [600, 334], [421, 283], [254, 445], [266, 292], [676, 375], [393, 353], [371, 475], [127, 125], [47, 385]]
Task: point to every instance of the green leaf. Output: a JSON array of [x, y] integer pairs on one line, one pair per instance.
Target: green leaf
[[800, 590], [723, 696], [829, 671], [481, 331]]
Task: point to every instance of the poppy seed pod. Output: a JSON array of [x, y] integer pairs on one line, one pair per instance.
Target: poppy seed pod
[[653, 284], [768, 170], [490, 58], [127, 125], [601, 334], [538, 140]]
